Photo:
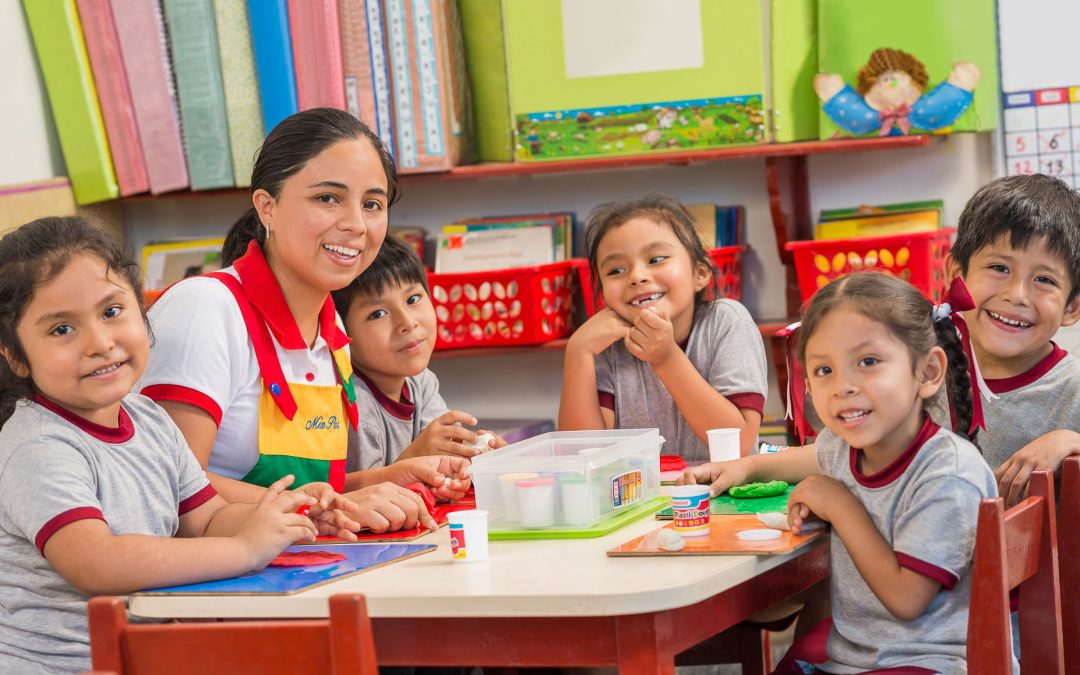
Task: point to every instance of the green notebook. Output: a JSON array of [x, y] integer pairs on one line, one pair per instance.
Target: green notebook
[[937, 33], [605, 526], [58, 40], [485, 58], [726, 505]]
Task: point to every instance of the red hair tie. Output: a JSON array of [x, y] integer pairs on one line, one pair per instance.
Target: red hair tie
[[956, 300]]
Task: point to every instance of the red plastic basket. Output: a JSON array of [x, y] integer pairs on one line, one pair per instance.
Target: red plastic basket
[[918, 257], [517, 306], [728, 261]]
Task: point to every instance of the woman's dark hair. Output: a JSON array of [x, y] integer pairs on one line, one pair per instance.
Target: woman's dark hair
[[657, 207], [32, 256], [294, 142], [906, 314], [395, 265]]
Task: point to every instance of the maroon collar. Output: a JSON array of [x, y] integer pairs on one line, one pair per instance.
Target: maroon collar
[[899, 465], [403, 409], [264, 292], [119, 434], [1006, 384]]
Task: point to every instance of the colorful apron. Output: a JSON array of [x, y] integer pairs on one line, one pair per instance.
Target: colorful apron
[[302, 427]]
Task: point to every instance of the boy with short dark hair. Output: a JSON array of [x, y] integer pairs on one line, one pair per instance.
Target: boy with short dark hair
[[1018, 251], [389, 316]]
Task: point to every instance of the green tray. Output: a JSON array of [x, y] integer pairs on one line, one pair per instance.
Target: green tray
[[726, 505], [600, 529]]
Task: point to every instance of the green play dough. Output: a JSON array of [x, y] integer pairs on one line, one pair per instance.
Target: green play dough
[[756, 490]]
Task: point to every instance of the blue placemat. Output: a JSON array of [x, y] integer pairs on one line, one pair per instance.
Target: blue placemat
[[288, 580]]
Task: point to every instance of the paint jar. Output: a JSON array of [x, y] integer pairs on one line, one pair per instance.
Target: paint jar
[[576, 500], [690, 510], [536, 499], [468, 535], [509, 495], [723, 444]]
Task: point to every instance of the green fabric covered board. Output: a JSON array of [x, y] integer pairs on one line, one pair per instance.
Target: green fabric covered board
[[726, 505], [605, 526], [794, 62], [937, 33]]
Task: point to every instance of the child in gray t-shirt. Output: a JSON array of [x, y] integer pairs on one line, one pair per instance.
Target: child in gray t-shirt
[[661, 354], [902, 495], [99, 493], [403, 419]]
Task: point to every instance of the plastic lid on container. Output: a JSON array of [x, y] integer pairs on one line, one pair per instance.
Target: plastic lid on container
[[471, 514], [539, 481], [514, 477], [687, 490]]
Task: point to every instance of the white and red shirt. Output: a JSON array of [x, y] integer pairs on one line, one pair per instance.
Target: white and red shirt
[[925, 505], [202, 355]]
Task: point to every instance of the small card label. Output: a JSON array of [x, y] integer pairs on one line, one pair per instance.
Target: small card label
[[627, 488]]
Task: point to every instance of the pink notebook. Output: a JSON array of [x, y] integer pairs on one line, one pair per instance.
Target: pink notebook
[[316, 46], [146, 62], [103, 47]]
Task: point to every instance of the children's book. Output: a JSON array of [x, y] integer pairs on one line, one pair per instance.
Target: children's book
[[144, 48], [163, 264], [272, 46], [879, 221], [485, 55], [493, 249], [367, 75], [22, 203], [58, 40], [242, 109], [289, 580], [194, 47], [316, 47], [937, 33], [561, 224]]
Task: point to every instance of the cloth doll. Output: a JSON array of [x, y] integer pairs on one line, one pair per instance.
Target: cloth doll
[[890, 95]]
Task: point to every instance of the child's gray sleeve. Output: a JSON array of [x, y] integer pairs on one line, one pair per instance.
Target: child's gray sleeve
[[935, 533], [738, 368]]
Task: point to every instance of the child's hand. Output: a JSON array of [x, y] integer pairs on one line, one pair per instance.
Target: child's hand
[[336, 523], [719, 476], [444, 436], [447, 476], [332, 513], [651, 338], [274, 523], [497, 441], [819, 496], [387, 507], [601, 331], [1045, 452]]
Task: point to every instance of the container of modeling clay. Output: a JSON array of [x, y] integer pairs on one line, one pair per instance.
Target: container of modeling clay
[[577, 502], [536, 500], [690, 510], [511, 513]]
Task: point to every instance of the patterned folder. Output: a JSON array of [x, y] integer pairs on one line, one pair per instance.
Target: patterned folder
[[241, 86], [316, 47], [363, 54], [273, 60]]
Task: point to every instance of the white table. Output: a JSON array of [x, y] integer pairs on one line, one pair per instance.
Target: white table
[[539, 603]]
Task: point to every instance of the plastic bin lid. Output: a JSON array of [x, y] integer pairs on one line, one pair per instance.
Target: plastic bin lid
[[539, 481]]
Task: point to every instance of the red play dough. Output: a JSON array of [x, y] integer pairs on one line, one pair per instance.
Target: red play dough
[[300, 558]]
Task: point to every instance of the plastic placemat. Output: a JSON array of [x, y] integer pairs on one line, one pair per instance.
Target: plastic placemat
[[722, 539], [726, 505], [598, 530]]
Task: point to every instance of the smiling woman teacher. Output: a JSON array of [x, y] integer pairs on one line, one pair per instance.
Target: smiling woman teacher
[[251, 362]]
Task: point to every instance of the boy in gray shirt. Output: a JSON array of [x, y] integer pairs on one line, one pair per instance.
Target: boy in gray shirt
[[389, 316]]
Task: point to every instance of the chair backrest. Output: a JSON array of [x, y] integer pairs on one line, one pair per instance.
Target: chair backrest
[[342, 644], [1069, 553], [1016, 549]]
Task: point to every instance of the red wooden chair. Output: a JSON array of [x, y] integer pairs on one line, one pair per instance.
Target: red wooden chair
[[1069, 554], [342, 644], [1017, 549]]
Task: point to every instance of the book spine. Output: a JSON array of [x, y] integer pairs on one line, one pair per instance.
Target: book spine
[[273, 60]]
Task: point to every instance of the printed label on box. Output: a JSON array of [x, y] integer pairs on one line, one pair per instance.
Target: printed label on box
[[457, 540], [627, 488]]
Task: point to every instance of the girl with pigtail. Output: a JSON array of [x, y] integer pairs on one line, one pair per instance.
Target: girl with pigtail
[[900, 493]]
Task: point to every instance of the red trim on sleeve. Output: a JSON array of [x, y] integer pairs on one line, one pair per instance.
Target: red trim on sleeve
[[943, 576], [747, 401], [196, 500], [1007, 384], [607, 399], [121, 433], [181, 394], [66, 518]]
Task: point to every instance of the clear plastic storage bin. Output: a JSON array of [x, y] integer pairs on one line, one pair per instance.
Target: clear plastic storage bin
[[567, 479]]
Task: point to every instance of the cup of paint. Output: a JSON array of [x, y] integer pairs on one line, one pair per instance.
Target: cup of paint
[[723, 444], [509, 494], [576, 499], [690, 510], [468, 535], [536, 500]]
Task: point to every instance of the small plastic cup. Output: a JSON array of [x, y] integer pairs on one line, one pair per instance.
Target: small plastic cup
[[690, 510], [576, 500], [723, 444], [536, 499], [468, 535], [509, 494]]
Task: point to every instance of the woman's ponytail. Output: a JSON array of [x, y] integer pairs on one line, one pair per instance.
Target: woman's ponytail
[[246, 229]]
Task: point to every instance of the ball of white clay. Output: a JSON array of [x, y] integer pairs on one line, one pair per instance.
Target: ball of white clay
[[482, 443], [777, 521], [669, 540]]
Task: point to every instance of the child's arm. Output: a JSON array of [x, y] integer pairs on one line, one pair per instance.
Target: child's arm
[[579, 406], [446, 475], [444, 436], [98, 562], [651, 340], [791, 466], [904, 592], [1045, 452]]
